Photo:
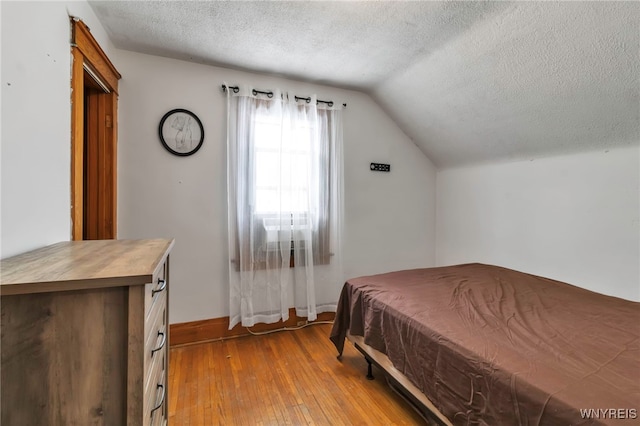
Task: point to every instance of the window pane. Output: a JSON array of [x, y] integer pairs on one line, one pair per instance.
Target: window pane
[[267, 201], [300, 168], [267, 135], [282, 167], [267, 169]]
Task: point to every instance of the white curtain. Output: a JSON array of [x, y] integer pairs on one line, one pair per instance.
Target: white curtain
[[285, 197]]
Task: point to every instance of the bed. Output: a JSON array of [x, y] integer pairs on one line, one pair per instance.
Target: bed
[[485, 345]]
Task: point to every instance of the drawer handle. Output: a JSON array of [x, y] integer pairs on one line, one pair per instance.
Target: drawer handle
[[160, 386], [164, 340], [163, 285]]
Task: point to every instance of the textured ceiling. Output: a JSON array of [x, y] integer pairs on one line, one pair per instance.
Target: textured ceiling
[[468, 82]]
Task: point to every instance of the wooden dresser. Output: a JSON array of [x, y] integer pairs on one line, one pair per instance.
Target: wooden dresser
[[85, 334]]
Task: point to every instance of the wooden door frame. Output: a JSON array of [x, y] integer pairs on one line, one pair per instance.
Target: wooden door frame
[[87, 54]]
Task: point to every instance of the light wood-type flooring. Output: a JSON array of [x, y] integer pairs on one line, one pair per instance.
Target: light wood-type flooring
[[288, 377]]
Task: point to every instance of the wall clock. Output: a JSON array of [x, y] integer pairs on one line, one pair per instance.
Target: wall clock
[[181, 132]]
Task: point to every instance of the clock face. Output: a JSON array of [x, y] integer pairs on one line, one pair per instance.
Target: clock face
[[181, 132]]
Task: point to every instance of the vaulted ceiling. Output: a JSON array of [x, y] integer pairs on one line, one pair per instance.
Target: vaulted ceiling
[[468, 82]]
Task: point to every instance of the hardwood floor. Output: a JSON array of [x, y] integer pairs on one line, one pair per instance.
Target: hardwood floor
[[289, 377]]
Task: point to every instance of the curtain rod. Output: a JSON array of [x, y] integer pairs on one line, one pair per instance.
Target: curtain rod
[[269, 94]]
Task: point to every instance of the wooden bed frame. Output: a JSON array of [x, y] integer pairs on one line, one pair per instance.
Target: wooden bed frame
[[398, 382]]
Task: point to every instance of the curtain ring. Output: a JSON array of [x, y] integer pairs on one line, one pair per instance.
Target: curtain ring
[[255, 93], [235, 89]]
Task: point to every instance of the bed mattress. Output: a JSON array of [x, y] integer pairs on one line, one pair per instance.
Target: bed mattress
[[493, 346]]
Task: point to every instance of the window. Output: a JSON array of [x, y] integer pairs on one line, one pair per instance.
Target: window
[[285, 187], [284, 198], [283, 182], [283, 158]]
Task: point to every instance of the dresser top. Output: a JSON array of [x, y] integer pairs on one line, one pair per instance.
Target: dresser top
[[76, 265]]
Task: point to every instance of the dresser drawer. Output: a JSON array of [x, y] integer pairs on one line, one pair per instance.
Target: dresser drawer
[[156, 337], [154, 290], [159, 416], [155, 395]]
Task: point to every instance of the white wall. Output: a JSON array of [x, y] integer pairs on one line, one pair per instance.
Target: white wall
[[572, 218], [389, 219], [36, 121]]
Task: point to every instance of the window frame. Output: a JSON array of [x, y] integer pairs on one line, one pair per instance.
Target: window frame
[[320, 235]]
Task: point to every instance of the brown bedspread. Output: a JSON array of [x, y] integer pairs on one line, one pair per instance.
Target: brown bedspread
[[489, 345]]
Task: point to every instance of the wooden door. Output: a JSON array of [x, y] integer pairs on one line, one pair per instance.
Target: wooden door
[[94, 102], [99, 164]]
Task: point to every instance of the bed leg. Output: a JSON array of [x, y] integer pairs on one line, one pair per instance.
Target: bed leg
[[369, 370]]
